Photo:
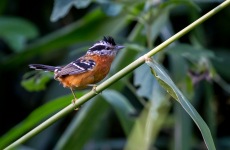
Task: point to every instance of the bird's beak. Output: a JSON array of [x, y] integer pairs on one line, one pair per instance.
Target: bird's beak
[[118, 47]]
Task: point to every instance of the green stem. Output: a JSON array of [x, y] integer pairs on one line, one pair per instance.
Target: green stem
[[114, 78]]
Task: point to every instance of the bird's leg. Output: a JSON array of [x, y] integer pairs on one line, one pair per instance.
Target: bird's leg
[[74, 100], [94, 88]]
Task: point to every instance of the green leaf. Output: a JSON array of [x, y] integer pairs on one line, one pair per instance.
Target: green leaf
[[179, 67], [136, 47], [189, 3], [170, 87], [159, 22], [144, 81], [111, 9], [3, 5], [221, 61], [37, 82], [190, 52], [16, 32], [149, 123], [162, 81], [183, 129], [37, 116], [75, 33], [122, 108], [62, 7], [82, 127]]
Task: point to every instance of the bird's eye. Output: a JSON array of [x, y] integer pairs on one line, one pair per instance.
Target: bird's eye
[[107, 48]]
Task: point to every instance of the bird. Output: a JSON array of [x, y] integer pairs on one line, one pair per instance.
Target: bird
[[87, 70]]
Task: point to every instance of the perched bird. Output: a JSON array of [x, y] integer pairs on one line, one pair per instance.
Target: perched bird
[[87, 70]]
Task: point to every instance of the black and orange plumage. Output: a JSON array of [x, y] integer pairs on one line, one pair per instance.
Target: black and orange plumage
[[87, 70]]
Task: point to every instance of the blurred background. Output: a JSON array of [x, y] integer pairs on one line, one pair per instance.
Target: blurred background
[[133, 109]]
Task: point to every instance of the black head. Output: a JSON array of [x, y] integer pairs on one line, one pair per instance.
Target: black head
[[107, 46]]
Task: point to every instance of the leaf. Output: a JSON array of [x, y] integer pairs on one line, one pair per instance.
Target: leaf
[[149, 123], [221, 61], [16, 32], [178, 66], [62, 7], [75, 33], [34, 118], [144, 81], [183, 123], [189, 3], [190, 52], [122, 108], [111, 8], [170, 87], [159, 23], [222, 83], [136, 47], [3, 6], [183, 128], [82, 127], [37, 82]]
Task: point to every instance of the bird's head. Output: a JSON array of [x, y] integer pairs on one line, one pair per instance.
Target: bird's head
[[107, 46]]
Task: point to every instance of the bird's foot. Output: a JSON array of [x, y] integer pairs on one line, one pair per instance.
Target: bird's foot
[[94, 89], [73, 102]]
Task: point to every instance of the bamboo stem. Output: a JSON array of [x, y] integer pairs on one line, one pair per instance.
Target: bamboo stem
[[115, 77]]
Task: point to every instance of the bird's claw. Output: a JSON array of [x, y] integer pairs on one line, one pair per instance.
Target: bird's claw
[[73, 102], [95, 90]]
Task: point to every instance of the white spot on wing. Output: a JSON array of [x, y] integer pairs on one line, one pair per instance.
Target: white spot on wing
[[77, 66]]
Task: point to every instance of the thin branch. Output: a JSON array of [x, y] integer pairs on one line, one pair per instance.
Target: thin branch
[[114, 78]]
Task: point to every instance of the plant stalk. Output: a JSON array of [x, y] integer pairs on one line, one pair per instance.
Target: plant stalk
[[115, 77]]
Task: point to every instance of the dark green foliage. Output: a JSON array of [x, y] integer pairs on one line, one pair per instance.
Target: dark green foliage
[[135, 110]]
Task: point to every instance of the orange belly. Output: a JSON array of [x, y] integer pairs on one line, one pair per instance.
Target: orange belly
[[81, 81]]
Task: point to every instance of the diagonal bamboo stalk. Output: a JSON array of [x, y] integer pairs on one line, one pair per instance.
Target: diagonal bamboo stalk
[[115, 77]]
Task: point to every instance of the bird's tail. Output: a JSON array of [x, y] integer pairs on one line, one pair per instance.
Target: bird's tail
[[44, 67]]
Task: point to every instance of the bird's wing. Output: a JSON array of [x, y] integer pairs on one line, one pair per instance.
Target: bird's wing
[[76, 67]]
